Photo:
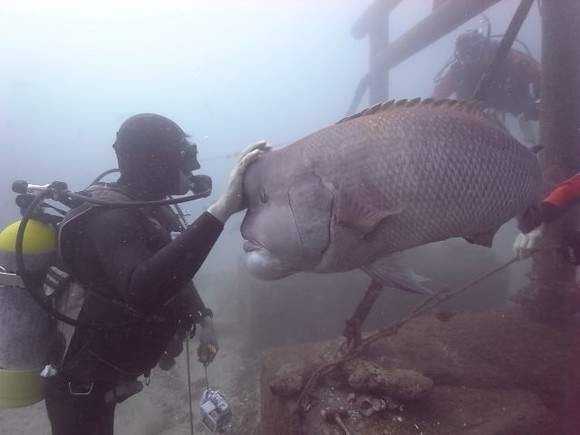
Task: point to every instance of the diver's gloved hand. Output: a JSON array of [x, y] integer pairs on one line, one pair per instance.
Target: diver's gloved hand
[[535, 215], [530, 219], [232, 201], [526, 243], [208, 343]]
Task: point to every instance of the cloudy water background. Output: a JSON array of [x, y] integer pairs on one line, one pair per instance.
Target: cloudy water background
[[229, 72]]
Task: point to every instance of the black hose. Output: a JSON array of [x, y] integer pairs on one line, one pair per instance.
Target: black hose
[[66, 197], [103, 175]]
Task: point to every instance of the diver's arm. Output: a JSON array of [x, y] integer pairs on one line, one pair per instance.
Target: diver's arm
[[564, 196], [444, 88], [175, 264], [447, 84], [147, 279], [534, 73], [525, 67], [190, 304]]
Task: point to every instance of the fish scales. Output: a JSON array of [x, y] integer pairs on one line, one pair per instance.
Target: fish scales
[[387, 180]]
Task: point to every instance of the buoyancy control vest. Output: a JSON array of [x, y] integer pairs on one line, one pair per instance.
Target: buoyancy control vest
[[114, 341]]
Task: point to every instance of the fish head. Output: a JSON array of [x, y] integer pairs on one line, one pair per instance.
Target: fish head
[[287, 222]]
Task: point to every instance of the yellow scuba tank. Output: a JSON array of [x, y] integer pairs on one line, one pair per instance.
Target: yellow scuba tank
[[25, 328]]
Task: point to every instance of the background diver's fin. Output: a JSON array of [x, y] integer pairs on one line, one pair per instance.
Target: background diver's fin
[[391, 271]]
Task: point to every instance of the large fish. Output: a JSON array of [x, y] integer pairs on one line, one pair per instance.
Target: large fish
[[395, 176]]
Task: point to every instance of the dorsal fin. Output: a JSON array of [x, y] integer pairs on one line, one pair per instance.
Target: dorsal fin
[[474, 107]]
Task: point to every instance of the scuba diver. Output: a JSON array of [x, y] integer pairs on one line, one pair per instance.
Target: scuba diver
[[134, 266], [515, 89]]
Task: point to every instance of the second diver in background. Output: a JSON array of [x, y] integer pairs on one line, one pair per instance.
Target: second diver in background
[[515, 89]]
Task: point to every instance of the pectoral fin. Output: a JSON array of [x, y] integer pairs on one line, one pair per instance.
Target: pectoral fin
[[311, 205], [483, 239], [360, 215], [391, 271]]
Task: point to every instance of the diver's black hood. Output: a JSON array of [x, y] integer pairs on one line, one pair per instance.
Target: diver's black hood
[[148, 131], [152, 150]]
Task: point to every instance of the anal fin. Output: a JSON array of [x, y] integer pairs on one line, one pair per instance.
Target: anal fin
[[391, 271], [483, 239]]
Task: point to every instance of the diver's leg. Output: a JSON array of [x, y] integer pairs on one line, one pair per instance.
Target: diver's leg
[[78, 414]]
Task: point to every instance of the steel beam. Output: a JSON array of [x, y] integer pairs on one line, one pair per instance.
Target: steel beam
[[439, 23]]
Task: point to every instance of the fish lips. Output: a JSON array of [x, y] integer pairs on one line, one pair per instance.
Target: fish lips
[[250, 246], [263, 264]]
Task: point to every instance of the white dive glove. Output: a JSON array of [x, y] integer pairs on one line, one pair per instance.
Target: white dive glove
[[231, 201], [526, 244], [208, 343]]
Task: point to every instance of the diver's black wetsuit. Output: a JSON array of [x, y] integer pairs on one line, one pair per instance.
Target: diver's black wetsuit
[[125, 254]]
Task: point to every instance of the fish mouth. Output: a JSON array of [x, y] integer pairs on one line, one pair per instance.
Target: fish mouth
[[251, 246], [263, 264]]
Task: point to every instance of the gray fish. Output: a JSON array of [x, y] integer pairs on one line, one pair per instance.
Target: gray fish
[[395, 176]]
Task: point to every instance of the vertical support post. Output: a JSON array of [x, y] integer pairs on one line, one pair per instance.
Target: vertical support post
[[374, 22], [378, 75], [552, 295]]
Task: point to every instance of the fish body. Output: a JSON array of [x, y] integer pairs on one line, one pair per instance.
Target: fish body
[[393, 177]]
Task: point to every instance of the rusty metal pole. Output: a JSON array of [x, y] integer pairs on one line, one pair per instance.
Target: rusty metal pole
[[378, 76], [551, 296], [374, 22], [363, 25]]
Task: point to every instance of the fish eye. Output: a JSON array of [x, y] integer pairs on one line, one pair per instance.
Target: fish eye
[[263, 196]]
